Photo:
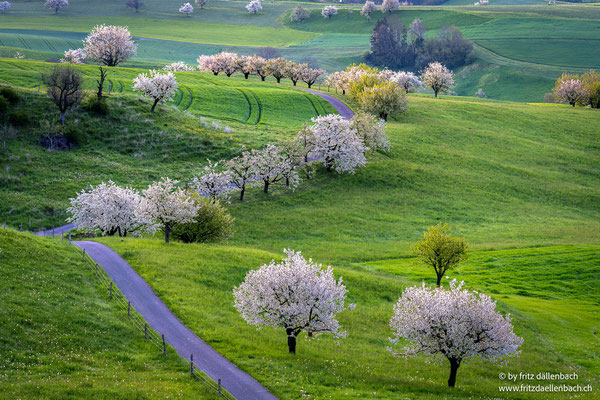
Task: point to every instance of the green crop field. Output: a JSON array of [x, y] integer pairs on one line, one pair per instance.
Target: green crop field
[[62, 337], [563, 38]]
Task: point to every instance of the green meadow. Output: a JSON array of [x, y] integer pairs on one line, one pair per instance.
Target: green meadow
[[62, 337]]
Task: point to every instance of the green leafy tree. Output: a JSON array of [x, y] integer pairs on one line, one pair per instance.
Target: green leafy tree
[[211, 223], [438, 249]]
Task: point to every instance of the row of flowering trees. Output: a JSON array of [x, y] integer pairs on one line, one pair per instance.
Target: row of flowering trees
[[454, 324], [162, 206], [338, 144], [581, 90], [278, 68]]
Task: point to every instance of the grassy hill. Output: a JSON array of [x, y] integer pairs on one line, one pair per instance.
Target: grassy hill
[[62, 337], [551, 293], [130, 144]]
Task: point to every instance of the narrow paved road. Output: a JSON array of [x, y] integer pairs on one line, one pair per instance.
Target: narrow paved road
[[339, 105], [57, 231], [142, 297]]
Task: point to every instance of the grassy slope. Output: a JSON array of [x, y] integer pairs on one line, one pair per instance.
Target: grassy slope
[[130, 145], [501, 173], [61, 337], [195, 280]]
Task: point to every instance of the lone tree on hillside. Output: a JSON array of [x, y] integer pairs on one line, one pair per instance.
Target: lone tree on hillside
[[163, 206], [135, 4], [454, 324], [109, 44], [438, 249], [296, 295], [56, 4], [4, 5], [438, 78], [157, 86], [384, 99], [299, 14], [329, 11], [65, 88], [570, 89], [388, 6], [106, 207], [187, 9], [201, 3], [367, 9], [254, 6]]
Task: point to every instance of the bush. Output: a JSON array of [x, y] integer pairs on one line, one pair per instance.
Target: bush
[[19, 118], [74, 135], [3, 105], [96, 106], [9, 94], [212, 223]]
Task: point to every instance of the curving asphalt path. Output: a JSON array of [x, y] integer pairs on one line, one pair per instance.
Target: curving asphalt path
[[339, 105], [161, 319], [57, 231]]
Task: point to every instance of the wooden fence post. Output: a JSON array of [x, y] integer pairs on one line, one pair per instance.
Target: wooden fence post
[[192, 364], [96, 269], [164, 345], [20, 227], [146, 330], [219, 386], [129, 309], [111, 284], [83, 255], [69, 238]]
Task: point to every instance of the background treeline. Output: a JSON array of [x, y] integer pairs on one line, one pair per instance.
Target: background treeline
[[394, 46]]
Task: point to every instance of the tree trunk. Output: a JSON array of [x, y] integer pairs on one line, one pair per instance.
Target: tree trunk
[[215, 73], [154, 105], [101, 82], [266, 188], [344, 91], [278, 79], [294, 82], [287, 182], [436, 93], [242, 191], [62, 117], [119, 230], [439, 279], [246, 74], [291, 341], [454, 364], [262, 78], [383, 116], [167, 233], [309, 85]]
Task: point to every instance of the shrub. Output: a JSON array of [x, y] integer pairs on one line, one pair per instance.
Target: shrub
[[19, 117], [96, 106], [299, 14], [211, 224], [74, 135], [3, 105], [9, 94]]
